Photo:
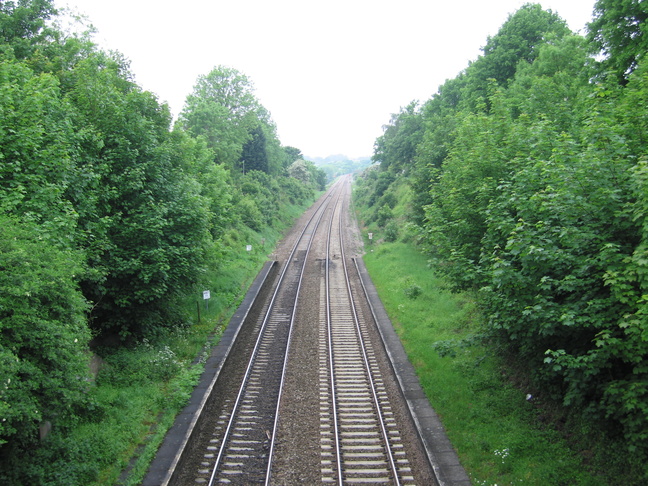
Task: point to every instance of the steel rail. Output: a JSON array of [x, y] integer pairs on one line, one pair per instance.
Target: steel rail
[[356, 320], [338, 453], [285, 364], [254, 353]]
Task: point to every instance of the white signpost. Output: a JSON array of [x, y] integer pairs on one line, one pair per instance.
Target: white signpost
[[206, 297]]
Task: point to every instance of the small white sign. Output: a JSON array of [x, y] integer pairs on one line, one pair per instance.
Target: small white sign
[[206, 294], [371, 236], [248, 248]]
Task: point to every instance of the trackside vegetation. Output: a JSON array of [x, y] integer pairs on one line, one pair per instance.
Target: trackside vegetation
[[523, 182], [113, 220], [505, 428], [509, 214]]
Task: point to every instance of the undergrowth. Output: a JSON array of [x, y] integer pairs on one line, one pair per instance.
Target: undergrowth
[[504, 430], [141, 387]]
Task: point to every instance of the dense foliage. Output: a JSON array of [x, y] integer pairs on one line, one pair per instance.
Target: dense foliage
[[109, 215], [43, 333], [528, 175]]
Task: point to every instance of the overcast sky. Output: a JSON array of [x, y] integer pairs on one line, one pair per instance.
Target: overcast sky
[[330, 72]]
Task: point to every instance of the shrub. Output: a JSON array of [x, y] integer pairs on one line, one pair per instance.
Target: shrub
[[249, 213], [389, 199], [383, 215], [412, 290], [391, 231], [43, 338]]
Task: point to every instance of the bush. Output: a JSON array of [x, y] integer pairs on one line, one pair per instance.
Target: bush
[[249, 213], [391, 231], [383, 215], [43, 360], [296, 192], [150, 363], [412, 290], [389, 199]]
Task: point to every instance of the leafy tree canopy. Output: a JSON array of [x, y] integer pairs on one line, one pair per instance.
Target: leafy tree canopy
[[148, 222], [35, 148], [23, 25], [516, 41], [291, 155], [254, 155], [530, 184], [396, 148], [618, 30], [223, 109], [43, 332]]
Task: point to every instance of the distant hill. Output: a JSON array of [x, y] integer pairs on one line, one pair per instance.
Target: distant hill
[[337, 165]]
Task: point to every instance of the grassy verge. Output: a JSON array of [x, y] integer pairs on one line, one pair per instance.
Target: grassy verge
[[140, 388], [498, 433]]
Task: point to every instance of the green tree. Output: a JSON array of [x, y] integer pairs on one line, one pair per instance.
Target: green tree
[[35, 147], [223, 109], [517, 41], [254, 155], [537, 181], [197, 161], [555, 86], [318, 177], [23, 26], [299, 170], [396, 147], [438, 126], [306, 172], [618, 31], [291, 154], [274, 150], [145, 227], [480, 159]]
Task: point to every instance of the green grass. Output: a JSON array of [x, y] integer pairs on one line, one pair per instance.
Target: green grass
[[139, 392], [496, 431]]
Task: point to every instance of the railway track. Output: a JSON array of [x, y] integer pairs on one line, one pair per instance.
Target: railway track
[[361, 442], [244, 437], [334, 422]]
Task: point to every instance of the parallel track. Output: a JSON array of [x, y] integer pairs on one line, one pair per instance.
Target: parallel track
[[241, 449], [360, 440]]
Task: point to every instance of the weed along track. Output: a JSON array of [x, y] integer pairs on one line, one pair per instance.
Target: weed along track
[[306, 393]]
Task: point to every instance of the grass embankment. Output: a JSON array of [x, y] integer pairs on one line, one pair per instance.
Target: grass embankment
[[141, 388], [499, 434]]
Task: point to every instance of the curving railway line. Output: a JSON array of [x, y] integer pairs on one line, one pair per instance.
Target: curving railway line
[[307, 393]]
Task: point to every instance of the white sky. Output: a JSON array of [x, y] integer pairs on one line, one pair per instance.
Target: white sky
[[330, 72]]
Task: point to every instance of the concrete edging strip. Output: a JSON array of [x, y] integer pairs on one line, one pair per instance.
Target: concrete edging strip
[[442, 456], [168, 455]]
